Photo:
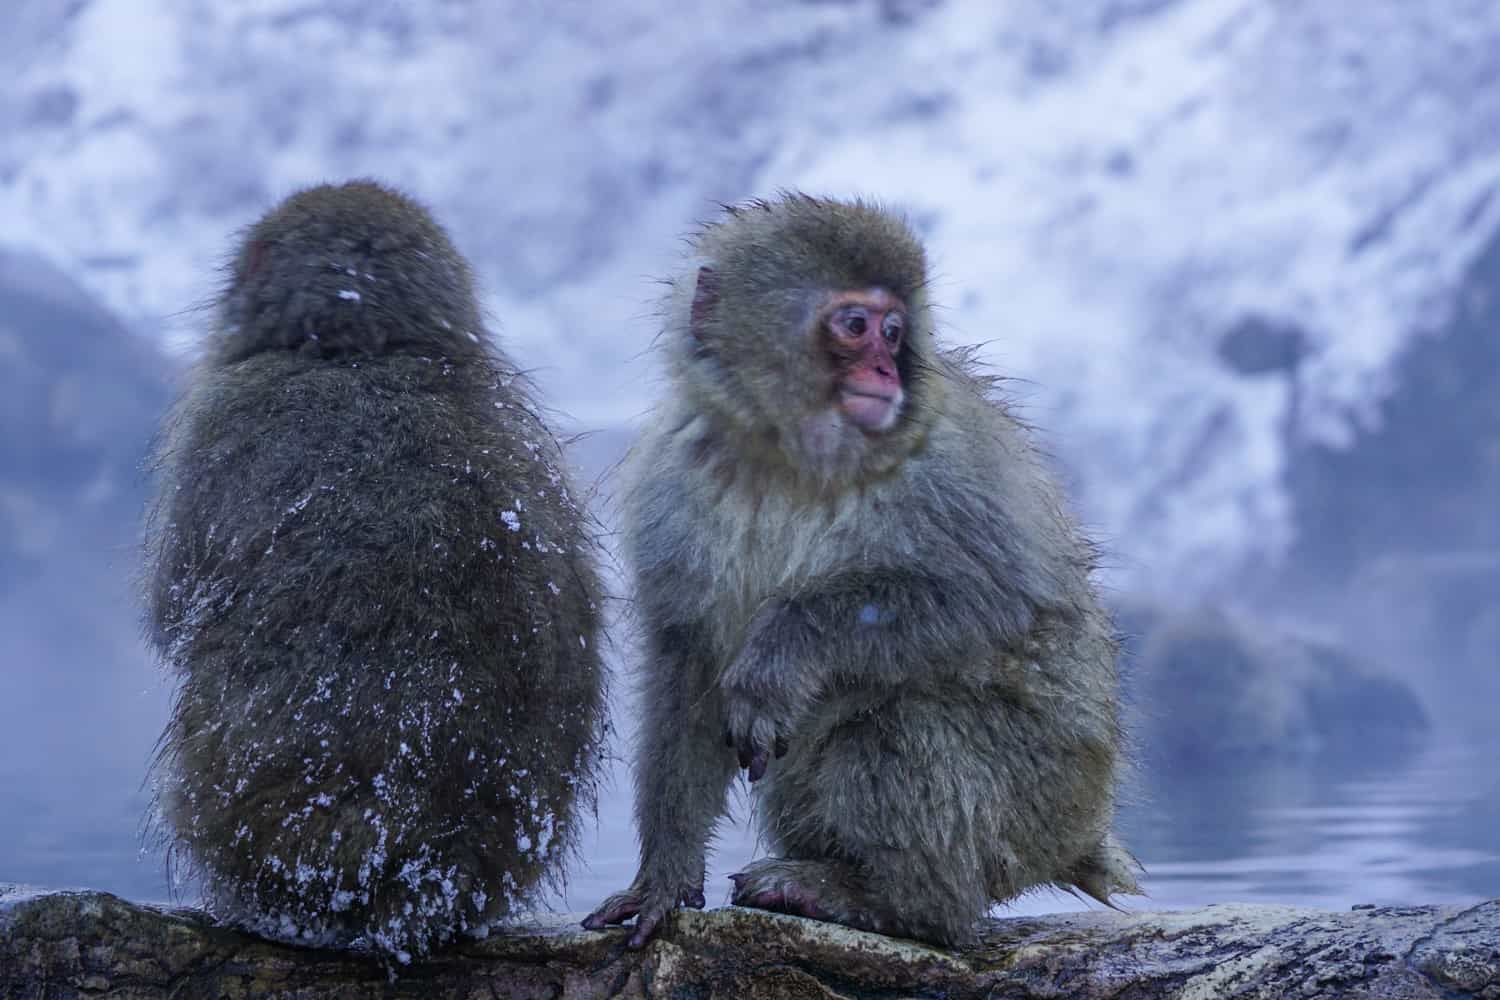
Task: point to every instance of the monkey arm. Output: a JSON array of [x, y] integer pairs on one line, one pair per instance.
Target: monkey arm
[[683, 771], [862, 628]]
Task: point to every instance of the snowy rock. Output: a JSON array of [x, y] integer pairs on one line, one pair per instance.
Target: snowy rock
[[73, 944]]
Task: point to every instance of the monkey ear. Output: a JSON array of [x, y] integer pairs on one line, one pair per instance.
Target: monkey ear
[[705, 298], [253, 258]]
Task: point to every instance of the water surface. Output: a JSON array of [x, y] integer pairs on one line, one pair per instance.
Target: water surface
[[1385, 829]]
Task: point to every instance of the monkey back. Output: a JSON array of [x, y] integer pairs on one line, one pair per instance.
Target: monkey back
[[378, 594]]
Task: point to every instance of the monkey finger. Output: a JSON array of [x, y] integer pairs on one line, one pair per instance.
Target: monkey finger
[[694, 898], [614, 910], [645, 927], [758, 764], [764, 737], [746, 750]]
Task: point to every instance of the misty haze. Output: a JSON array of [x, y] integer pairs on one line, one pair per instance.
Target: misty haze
[[1239, 260]]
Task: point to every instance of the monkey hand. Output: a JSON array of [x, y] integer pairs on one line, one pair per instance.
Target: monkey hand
[[649, 901], [758, 715]]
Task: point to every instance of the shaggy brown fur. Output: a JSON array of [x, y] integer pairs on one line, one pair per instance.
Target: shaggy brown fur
[[367, 570], [905, 617]]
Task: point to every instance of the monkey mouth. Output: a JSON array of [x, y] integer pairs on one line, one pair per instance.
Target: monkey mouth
[[872, 412]]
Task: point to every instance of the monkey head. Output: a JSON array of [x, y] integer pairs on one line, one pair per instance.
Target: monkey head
[[348, 269], [806, 331]]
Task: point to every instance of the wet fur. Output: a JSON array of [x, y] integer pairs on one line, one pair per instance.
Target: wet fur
[[391, 698], [911, 613]]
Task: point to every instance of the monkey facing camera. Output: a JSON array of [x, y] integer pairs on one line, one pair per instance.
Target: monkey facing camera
[[857, 583], [367, 570]]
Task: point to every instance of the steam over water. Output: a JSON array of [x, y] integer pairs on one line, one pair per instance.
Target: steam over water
[[1345, 832], [1241, 261]]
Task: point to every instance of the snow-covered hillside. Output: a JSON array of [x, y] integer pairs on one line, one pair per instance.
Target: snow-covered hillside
[[1108, 186]]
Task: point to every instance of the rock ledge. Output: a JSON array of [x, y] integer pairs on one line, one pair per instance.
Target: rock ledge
[[81, 944]]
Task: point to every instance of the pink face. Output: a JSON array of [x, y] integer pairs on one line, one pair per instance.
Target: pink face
[[864, 330]]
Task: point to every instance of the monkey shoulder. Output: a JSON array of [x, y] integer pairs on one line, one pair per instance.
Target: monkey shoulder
[[980, 502]]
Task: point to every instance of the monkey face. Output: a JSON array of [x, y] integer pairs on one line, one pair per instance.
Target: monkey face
[[864, 333]]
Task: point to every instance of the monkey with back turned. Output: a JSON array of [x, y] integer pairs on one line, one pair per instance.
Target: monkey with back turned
[[857, 582], [367, 569]]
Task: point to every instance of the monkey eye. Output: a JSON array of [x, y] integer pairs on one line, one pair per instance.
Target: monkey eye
[[892, 326], [851, 321]]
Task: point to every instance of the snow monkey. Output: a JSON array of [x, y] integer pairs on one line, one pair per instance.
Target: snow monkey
[[857, 583], [367, 569]]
